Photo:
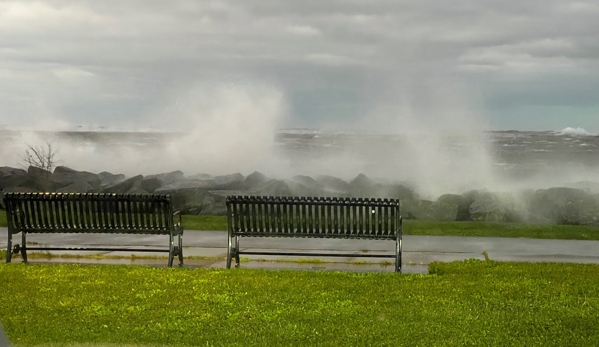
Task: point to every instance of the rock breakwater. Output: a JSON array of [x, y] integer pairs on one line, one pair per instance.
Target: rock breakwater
[[206, 194]]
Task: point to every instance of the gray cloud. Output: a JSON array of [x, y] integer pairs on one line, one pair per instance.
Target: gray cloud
[[337, 62]]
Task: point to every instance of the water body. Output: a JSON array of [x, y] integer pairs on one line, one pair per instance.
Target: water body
[[436, 163]]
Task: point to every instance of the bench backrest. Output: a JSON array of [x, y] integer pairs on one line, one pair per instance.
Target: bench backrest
[[314, 217], [88, 212]]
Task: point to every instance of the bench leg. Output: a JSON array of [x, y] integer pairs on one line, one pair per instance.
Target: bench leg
[[229, 251], [398, 255], [180, 249], [9, 248], [171, 250], [237, 251], [24, 246]]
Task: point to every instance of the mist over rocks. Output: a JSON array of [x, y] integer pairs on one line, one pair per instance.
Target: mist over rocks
[[206, 194]]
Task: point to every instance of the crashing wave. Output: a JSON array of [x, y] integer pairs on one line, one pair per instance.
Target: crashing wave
[[574, 132]]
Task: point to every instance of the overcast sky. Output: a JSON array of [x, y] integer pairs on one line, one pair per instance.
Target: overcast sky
[[525, 65]]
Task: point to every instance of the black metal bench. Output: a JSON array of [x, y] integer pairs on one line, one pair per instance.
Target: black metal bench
[[29, 213], [339, 218]]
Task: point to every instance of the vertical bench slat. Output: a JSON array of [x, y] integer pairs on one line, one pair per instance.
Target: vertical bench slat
[[260, 213], [65, 212], [56, 217], [309, 215], [27, 210], [83, 209], [93, 214], [331, 217], [164, 212], [317, 216], [44, 213], [74, 214], [38, 215], [309, 206], [241, 217], [130, 215], [279, 214], [134, 214], [361, 216], [367, 217], [254, 208], [387, 217], [323, 216], [285, 216], [266, 214], [273, 215], [147, 216], [342, 218], [116, 212], [292, 214], [113, 203], [80, 212], [299, 215], [336, 216], [62, 212], [392, 219], [248, 216]]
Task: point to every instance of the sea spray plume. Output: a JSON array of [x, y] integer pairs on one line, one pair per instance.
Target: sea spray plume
[[218, 130], [230, 129], [438, 142]]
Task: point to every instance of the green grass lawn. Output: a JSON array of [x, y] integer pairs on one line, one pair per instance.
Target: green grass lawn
[[416, 227], [471, 303]]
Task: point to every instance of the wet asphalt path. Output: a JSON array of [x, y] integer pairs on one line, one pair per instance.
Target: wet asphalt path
[[418, 251]]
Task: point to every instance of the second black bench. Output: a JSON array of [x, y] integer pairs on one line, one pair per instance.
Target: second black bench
[[292, 217]]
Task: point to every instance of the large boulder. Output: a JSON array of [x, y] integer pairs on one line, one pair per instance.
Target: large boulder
[[362, 186], [309, 182], [129, 186], [214, 202], [445, 209], [108, 179], [7, 171], [150, 184], [187, 184], [166, 178], [564, 206], [393, 191], [417, 209], [11, 177], [253, 180], [587, 186], [39, 180], [490, 207], [273, 187], [333, 186], [188, 195], [64, 176], [200, 176], [230, 182], [77, 187], [459, 203]]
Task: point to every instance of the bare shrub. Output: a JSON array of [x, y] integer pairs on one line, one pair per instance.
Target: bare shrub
[[41, 157]]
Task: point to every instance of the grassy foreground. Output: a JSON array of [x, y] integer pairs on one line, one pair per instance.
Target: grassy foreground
[[463, 303], [416, 227]]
